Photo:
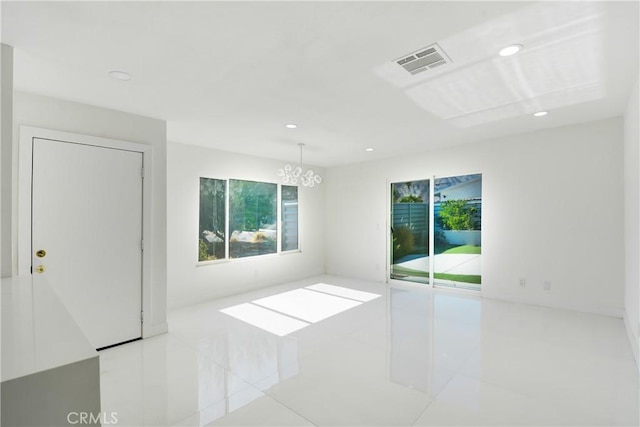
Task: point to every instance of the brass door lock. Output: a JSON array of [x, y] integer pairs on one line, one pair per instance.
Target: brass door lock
[[41, 253], [40, 269]]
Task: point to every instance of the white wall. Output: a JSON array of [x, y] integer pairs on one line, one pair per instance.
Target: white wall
[[56, 114], [552, 209], [632, 219], [189, 283]]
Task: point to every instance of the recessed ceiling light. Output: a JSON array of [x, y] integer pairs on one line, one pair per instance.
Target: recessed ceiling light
[[511, 50], [120, 75], [541, 113], [291, 126], [368, 149]]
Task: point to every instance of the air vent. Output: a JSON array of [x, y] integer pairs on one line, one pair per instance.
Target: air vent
[[424, 59]]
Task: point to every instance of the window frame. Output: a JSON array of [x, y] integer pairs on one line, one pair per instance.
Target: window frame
[[279, 224], [226, 222], [264, 195], [281, 219]]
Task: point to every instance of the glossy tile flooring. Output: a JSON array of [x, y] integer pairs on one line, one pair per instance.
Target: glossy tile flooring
[[409, 357]]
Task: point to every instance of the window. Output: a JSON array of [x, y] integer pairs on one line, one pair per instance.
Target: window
[[212, 219], [239, 219], [252, 218], [289, 217]]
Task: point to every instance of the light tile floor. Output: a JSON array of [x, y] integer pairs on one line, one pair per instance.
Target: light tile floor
[[410, 357]]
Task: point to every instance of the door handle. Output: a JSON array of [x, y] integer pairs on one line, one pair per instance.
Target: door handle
[[41, 253], [40, 269]]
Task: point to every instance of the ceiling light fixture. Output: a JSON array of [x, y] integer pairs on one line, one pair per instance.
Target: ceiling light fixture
[[541, 113], [290, 174], [120, 75], [510, 50], [291, 126], [368, 149]]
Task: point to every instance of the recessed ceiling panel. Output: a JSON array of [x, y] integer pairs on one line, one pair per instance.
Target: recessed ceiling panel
[[562, 64]]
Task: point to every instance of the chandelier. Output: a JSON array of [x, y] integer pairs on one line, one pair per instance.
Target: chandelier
[[291, 174]]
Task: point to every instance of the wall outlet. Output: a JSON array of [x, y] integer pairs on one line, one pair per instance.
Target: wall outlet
[[522, 282], [547, 285]]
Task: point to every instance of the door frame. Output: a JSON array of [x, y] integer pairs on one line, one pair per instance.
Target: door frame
[[25, 171], [389, 239]]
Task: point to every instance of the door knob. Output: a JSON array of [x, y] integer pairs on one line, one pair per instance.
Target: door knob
[[40, 269], [41, 253]]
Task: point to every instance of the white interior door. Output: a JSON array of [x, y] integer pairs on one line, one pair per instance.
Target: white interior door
[[87, 216]]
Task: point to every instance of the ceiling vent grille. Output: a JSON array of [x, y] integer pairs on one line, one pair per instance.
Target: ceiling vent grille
[[424, 59]]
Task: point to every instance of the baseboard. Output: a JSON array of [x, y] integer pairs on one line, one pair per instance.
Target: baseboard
[[633, 339], [157, 329], [609, 312]]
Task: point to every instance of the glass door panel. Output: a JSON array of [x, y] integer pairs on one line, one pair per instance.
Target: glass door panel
[[457, 202], [410, 231]]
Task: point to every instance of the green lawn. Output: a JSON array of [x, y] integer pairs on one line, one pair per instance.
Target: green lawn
[[466, 278], [464, 249], [409, 271]]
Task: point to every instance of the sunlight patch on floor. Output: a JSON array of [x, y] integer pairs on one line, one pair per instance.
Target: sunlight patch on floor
[[343, 292], [268, 320], [290, 311]]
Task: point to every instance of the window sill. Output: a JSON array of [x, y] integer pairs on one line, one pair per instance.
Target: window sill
[[253, 257]]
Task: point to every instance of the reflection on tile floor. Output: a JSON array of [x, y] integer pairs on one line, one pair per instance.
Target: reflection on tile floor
[[409, 357]]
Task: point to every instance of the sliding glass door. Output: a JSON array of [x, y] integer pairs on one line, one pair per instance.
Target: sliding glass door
[[436, 231], [457, 229], [410, 231]]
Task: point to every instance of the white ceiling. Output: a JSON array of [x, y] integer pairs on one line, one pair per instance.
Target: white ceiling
[[230, 75]]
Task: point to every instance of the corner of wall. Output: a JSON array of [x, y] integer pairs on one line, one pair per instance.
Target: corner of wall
[[634, 339], [82, 119], [151, 330], [190, 283], [632, 219], [6, 159]]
